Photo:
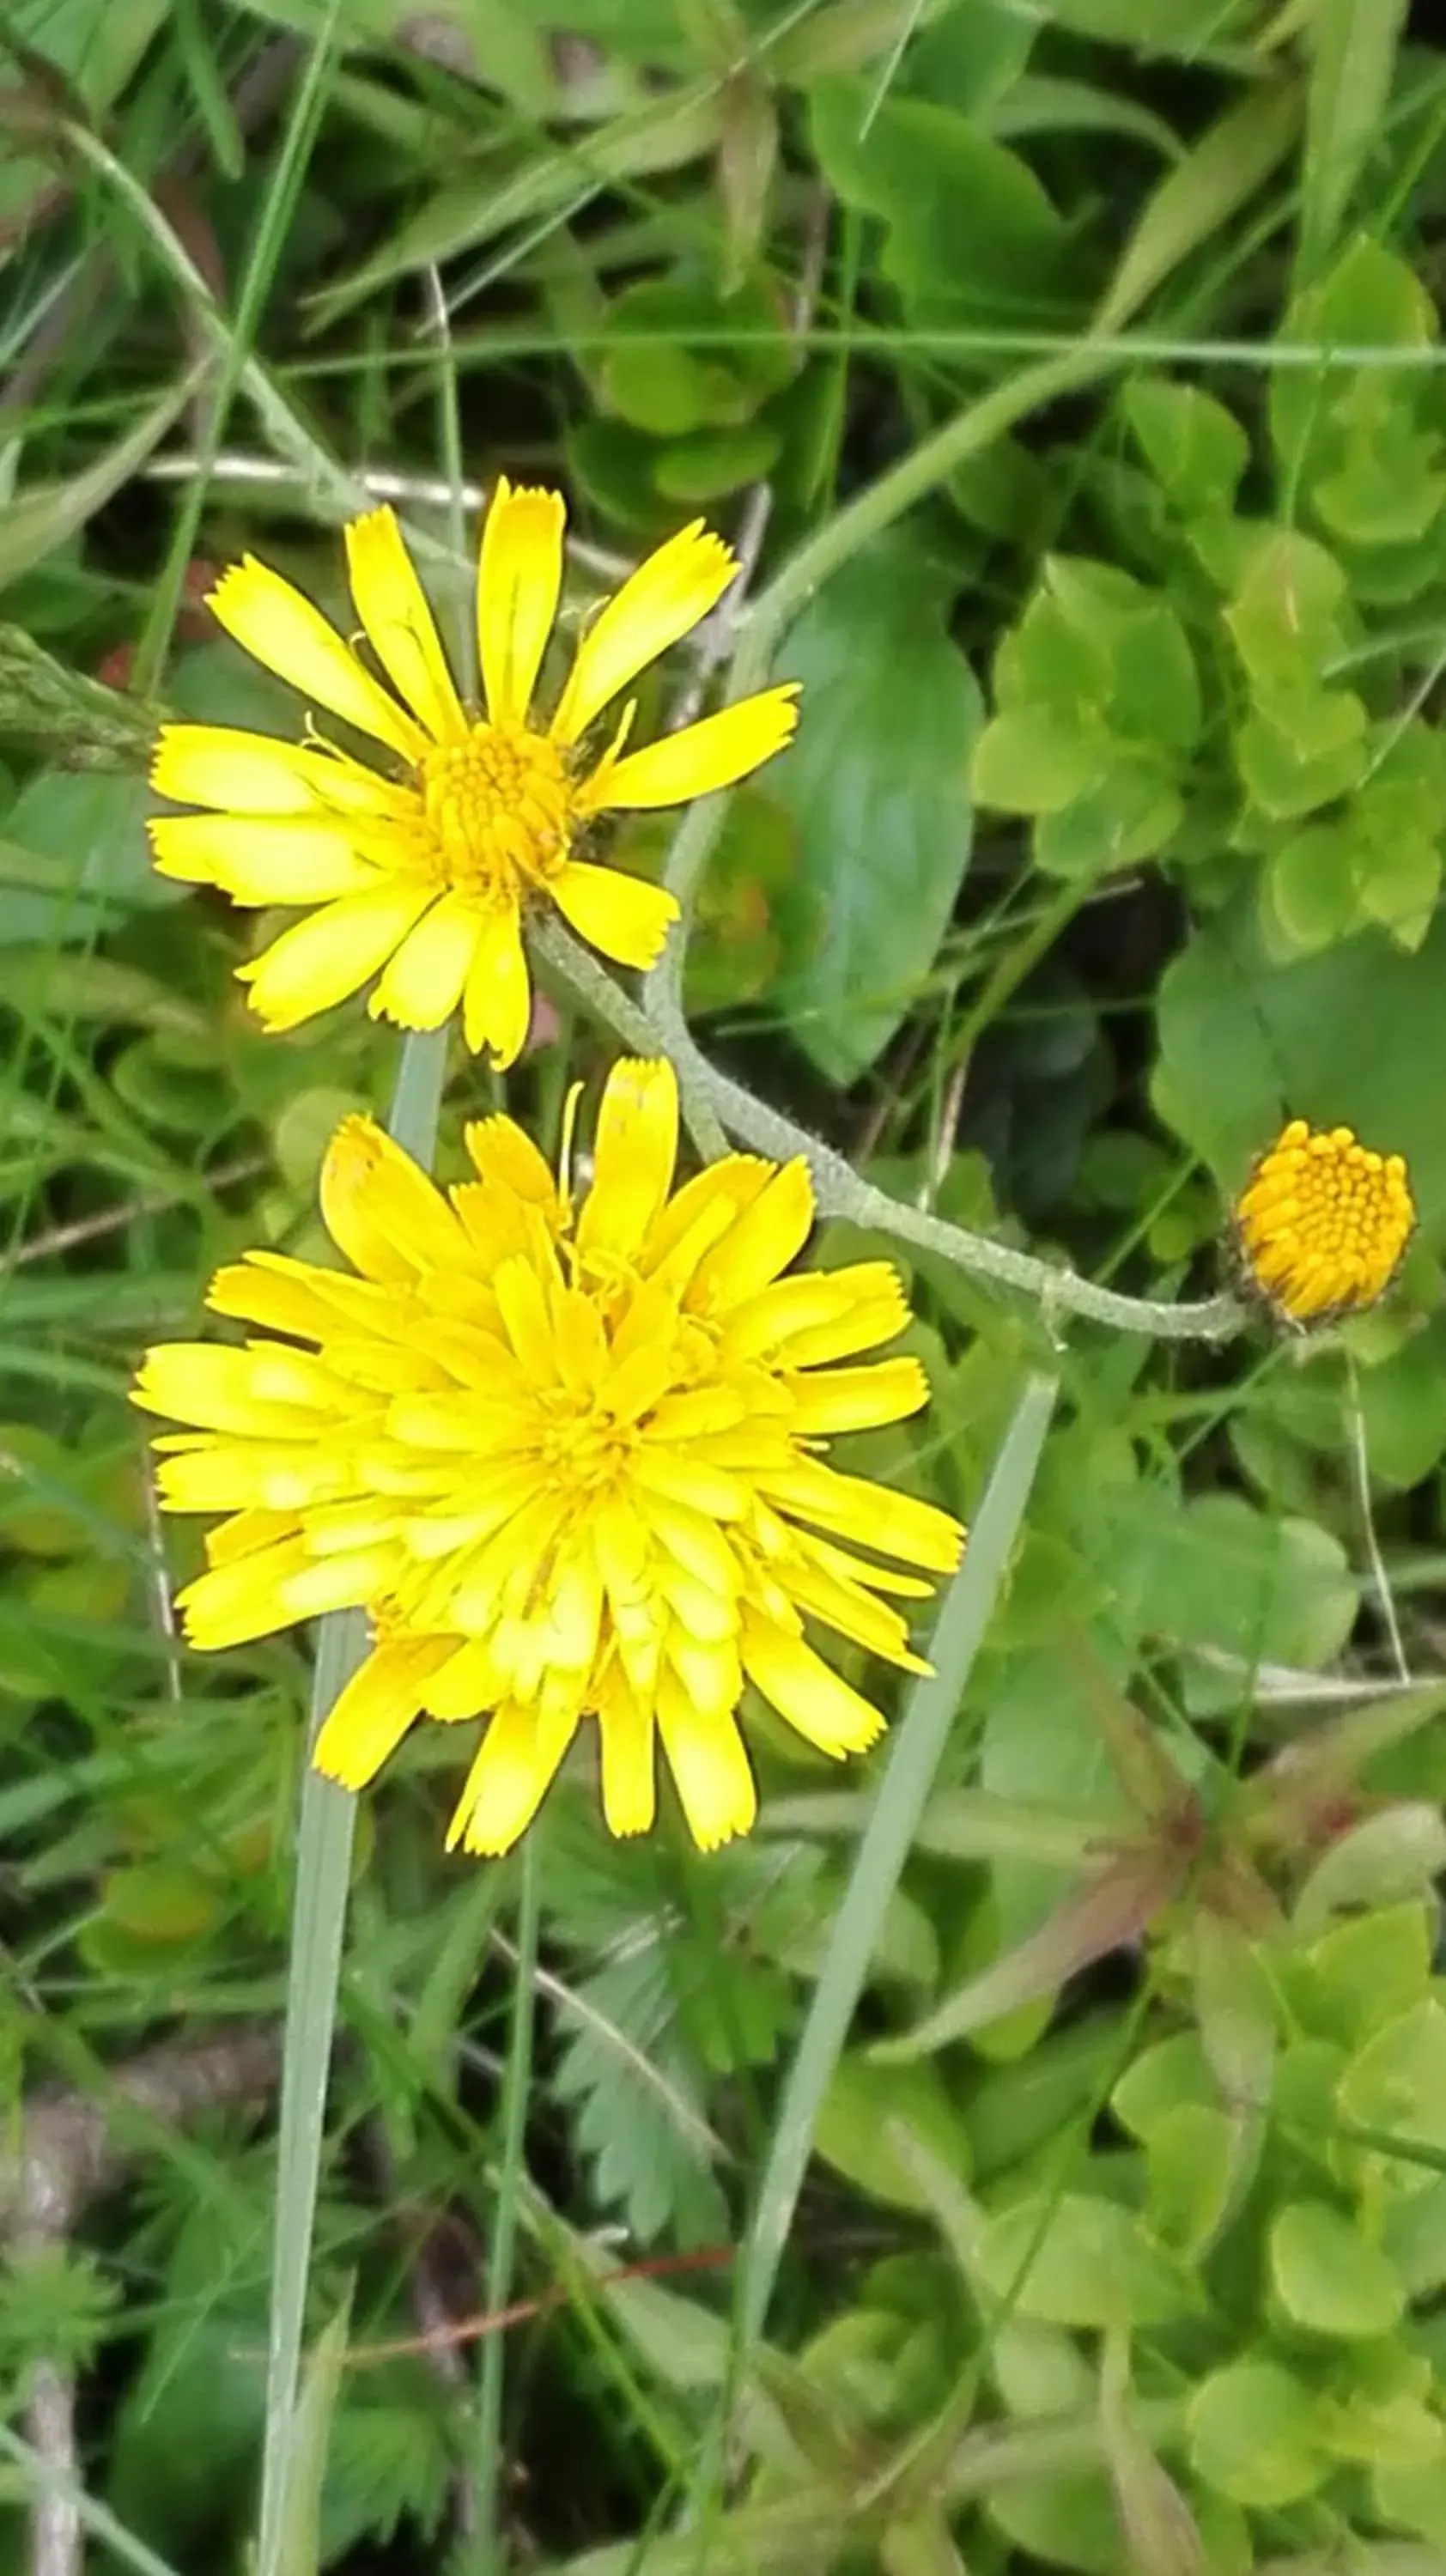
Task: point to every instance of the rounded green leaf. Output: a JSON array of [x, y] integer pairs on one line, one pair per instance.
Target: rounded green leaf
[[1190, 2166], [1255, 2434], [1086, 2262], [1031, 760], [853, 2132], [1328, 2278], [1310, 887], [1396, 2086]]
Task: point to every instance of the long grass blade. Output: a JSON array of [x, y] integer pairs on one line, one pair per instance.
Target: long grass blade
[[323, 1871], [884, 1847]]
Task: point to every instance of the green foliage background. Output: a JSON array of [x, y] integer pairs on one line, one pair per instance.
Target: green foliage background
[[1029, 2151]]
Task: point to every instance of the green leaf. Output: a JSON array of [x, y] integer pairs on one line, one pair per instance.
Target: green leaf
[[1395, 1852], [76, 841], [1063, 2521], [716, 461], [1196, 449], [1216, 178], [971, 233], [1126, 816], [666, 133], [1031, 760], [1310, 887], [1352, 58], [1303, 755], [1170, 2076], [878, 785], [1190, 2169], [391, 2458], [1379, 2407], [1413, 2499], [1255, 2434], [39, 521], [654, 378], [1094, 2264], [1286, 615], [1396, 2085], [860, 2107], [1215, 1572], [1328, 2277], [1245, 1040]]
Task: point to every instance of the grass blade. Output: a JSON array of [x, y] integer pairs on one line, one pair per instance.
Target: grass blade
[[323, 1871], [884, 1847]]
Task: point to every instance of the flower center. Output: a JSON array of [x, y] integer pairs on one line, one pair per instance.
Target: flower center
[[1324, 1222], [584, 1447], [497, 811]]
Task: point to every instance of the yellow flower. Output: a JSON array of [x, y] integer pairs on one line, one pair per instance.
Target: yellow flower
[[569, 1457], [1322, 1224], [422, 876]]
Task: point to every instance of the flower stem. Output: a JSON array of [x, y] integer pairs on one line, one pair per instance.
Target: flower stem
[[323, 1872], [713, 1102]]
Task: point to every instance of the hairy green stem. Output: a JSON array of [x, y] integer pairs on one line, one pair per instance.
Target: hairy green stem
[[716, 1106]]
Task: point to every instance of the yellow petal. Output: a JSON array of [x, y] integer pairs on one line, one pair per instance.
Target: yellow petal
[[713, 754], [376, 1707], [387, 1217], [465, 1686], [331, 954], [254, 1475], [221, 1389], [807, 1691], [519, 1294], [519, 582], [497, 1001], [622, 916], [629, 1783], [658, 603], [633, 1155], [297, 1298], [505, 1157], [858, 1399], [237, 1601], [422, 983], [279, 627], [867, 1515], [841, 1304], [716, 1194], [250, 773], [759, 1243], [260, 858], [854, 1613], [510, 1778], [676, 1476], [392, 606], [710, 1767]]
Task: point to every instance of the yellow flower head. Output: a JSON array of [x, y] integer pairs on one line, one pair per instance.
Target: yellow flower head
[[1322, 1224], [421, 876], [569, 1458]]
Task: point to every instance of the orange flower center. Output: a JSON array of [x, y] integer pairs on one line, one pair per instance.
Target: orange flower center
[[498, 811]]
